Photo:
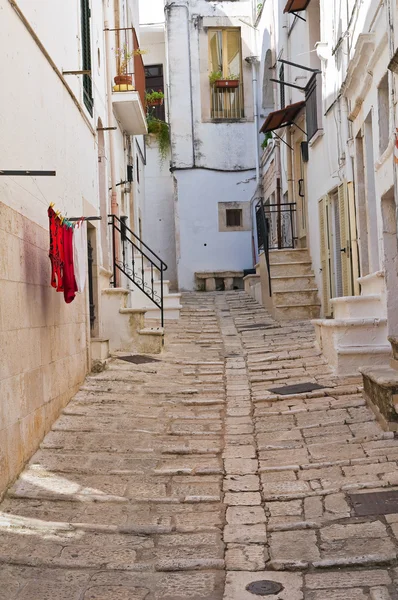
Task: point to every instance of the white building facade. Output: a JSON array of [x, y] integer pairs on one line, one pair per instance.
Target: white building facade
[[59, 112]]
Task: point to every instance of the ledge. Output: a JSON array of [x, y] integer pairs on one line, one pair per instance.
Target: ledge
[[129, 112]]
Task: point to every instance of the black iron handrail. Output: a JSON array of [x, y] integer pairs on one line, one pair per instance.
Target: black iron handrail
[[282, 242], [127, 264], [263, 237]]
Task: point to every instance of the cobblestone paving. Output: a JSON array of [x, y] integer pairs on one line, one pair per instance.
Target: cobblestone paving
[[188, 479]]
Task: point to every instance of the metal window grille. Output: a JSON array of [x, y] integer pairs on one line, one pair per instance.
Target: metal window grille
[[227, 103], [311, 107], [234, 217], [86, 56]]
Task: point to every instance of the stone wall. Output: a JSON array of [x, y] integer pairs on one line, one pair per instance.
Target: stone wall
[[43, 343]]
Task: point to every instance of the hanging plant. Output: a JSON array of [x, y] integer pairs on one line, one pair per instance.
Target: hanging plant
[[154, 98], [160, 129], [267, 138]]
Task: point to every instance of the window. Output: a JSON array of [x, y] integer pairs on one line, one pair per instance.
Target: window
[[138, 169], [234, 218], [225, 64], [86, 56], [282, 87], [384, 113], [154, 81], [311, 107]]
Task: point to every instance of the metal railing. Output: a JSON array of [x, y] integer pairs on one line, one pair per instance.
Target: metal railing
[[227, 103], [263, 237], [129, 255], [282, 225]]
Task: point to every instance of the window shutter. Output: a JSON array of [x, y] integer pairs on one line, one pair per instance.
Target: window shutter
[[354, 239], [86, 56], [345, 242], [325, 254]]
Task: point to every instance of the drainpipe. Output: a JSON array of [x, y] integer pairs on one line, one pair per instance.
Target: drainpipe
[[253, 61], [114, 203]]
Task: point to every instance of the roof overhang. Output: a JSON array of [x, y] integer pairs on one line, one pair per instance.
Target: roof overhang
[[282, 118], [293, 6]]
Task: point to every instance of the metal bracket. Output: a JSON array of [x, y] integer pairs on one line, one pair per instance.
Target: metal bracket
[[28, 173], [84, 72], [298, 16], [106, 128], [282, 140], [292, 64], [293, 85]]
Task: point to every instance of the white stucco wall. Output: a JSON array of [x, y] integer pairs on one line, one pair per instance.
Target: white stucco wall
[[200, 244]]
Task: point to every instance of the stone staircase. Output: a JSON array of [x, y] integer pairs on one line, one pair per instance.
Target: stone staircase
[[294, 291], [124, 326], [171, 301], [357, 335]]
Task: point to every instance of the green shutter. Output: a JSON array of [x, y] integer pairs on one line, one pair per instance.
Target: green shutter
[[86, 56]]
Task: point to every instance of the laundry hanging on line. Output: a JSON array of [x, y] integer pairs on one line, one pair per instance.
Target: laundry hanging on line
[[68, 255]]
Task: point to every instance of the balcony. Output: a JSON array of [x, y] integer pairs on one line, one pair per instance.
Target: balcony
[[129, 112], [128, 98]]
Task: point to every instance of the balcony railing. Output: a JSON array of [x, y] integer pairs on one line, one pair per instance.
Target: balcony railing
[[128, 61], [227, 103]]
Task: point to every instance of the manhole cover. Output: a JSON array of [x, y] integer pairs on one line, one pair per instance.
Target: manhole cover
[[375, 503], [264, 588], [300, 388], [138, 359]]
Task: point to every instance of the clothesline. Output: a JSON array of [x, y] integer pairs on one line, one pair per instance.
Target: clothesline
[[69, 221]]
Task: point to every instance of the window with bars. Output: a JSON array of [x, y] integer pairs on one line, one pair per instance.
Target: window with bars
[[86, 55], [234, 217], [225, 66]]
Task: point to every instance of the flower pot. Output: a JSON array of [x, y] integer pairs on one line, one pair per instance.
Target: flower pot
[[157, 102], [123, 83], [227, 83]]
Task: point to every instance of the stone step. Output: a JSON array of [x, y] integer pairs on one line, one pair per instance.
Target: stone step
[[297, 312], [350, 332], [356, 307], [171, 313], [351, 358], [293, 282], [295, 297], [283, 256], [291, 268]]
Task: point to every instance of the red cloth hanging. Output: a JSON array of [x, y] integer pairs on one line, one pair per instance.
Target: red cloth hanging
[[70, 287], [56, 250]]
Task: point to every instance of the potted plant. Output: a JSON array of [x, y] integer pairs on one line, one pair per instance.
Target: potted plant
[[154, 98], [123, 80], [218, 80], [160, 129]]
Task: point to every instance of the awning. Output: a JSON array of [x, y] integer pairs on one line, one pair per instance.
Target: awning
[[282, 118], [296, 5]]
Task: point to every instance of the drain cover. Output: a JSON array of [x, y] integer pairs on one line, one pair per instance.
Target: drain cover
[[375, 503], [264, 588], [299, 388], [138, 359]]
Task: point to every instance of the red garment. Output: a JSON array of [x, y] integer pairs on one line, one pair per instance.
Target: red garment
[[70, 287], [56, 250]]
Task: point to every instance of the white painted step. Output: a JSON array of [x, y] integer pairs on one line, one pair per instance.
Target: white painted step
[[351, 358], [297, 312], [351, 332], [357, 307]]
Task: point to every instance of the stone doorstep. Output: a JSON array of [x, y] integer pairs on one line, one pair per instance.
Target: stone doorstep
[[381, 393]]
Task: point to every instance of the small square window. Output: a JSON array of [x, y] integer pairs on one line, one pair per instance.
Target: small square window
[[234, 217]]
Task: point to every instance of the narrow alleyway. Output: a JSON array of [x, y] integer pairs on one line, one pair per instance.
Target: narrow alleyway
[[188, 478]]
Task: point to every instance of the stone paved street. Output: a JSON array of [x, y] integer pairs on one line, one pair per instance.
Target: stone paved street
[[188, 479]]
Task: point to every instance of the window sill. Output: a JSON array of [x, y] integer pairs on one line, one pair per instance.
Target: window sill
[[316, 137], [216, 121]]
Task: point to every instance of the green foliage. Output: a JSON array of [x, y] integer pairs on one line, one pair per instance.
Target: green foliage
[[152, 96], [268, 136], [217, 76], [260, 7], [161, 130]]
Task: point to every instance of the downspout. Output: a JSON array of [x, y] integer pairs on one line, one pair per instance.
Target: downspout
[[114, 203], [391, 42]]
